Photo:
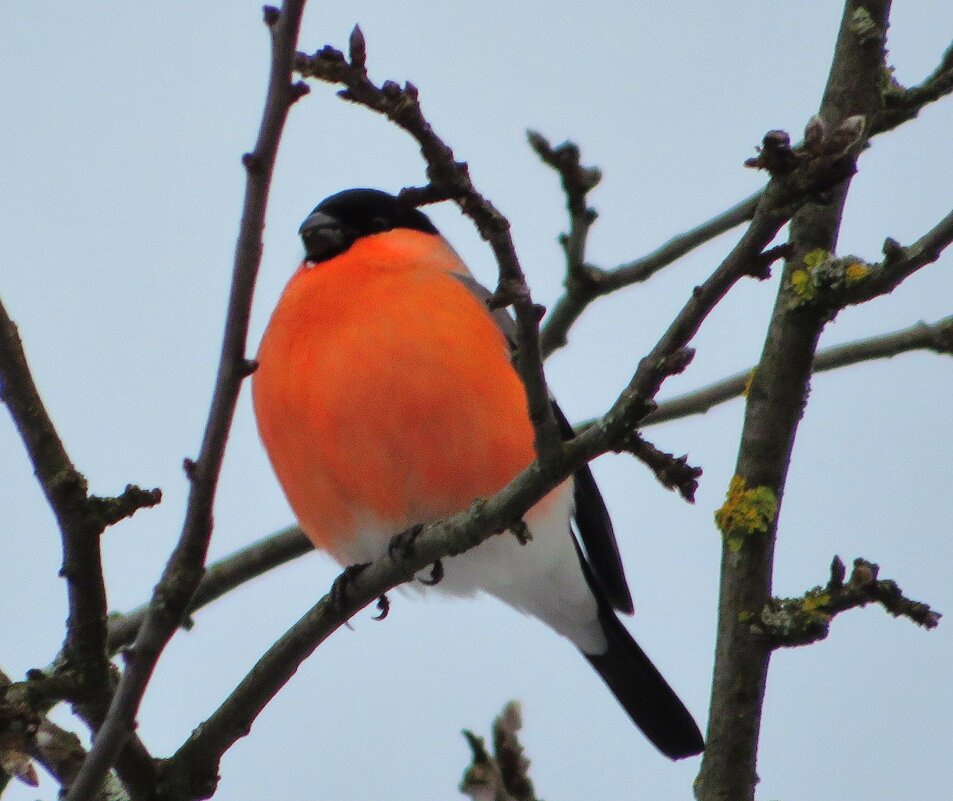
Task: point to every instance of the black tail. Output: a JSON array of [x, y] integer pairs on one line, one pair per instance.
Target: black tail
[[644, 694]]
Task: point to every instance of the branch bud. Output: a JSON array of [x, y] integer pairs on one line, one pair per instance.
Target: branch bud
[[357, 49]]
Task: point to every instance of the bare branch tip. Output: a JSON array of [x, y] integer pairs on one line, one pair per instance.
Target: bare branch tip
[[774, 154], [298, 90], [892, 250], [357, 49], [251, 162], [247, 367], [537, 141], [838, 574]]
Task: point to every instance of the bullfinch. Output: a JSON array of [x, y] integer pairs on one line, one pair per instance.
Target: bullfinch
[[385, 397]]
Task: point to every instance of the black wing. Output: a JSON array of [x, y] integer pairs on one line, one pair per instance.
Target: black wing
[[591, 516]]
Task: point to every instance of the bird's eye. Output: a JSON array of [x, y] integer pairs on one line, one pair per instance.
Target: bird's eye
[[379, 224]]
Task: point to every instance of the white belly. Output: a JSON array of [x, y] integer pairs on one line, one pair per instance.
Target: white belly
[[542, 578]]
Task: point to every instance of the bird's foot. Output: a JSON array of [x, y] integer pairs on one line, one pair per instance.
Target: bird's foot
[[402, 545], [339, 589]]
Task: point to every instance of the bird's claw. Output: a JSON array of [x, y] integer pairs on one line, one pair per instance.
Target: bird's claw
[[436, 574], [383, 604]]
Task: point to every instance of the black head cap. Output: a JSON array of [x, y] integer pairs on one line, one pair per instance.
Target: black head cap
[[340, 220]]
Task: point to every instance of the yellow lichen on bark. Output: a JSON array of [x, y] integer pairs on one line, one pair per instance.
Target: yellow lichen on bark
[[746, 511]]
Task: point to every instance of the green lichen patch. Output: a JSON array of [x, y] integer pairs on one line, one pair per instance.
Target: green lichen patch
[[816, 258], [862, 25], [746, 511], [822, 276], [802, 285], [796, 621]]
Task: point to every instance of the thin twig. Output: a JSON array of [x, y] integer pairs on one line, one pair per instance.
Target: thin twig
[[602, 282], [936, 336], [66, 491], [185, 567], [220, 578], [37, 737], [591, 282], [899, 263], [502, 775], [81, 518], [789, 622], [577, 181], [901, 105]]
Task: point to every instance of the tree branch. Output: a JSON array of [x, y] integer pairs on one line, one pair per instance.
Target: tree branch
[[586, 282], [901, 105], [192, 771], [788, 622], [220, 578], [25, 735], [450, 180], [283, 546], [936, 336], [594, 282], [184, 569], [577, 181], [748, 519], [504, 774], [81, 518], [899, 263]]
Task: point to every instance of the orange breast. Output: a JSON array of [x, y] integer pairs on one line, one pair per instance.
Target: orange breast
[[385, 391]]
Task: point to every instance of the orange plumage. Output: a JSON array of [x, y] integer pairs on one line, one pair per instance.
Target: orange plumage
[[366, 403]]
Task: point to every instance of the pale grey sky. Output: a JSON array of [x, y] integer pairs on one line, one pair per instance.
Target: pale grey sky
[[123, 128]]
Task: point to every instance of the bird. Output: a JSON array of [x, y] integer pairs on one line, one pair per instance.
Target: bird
[[386, 398]]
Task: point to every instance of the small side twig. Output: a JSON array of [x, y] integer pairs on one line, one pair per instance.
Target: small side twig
[[789, 622], [899, 263], [577, 182], [901, 105], [673, 472], [126, 504], [937, 337], [598, 282], [504, 774]]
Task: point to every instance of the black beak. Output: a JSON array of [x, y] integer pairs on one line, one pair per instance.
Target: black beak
[[324, 236]]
